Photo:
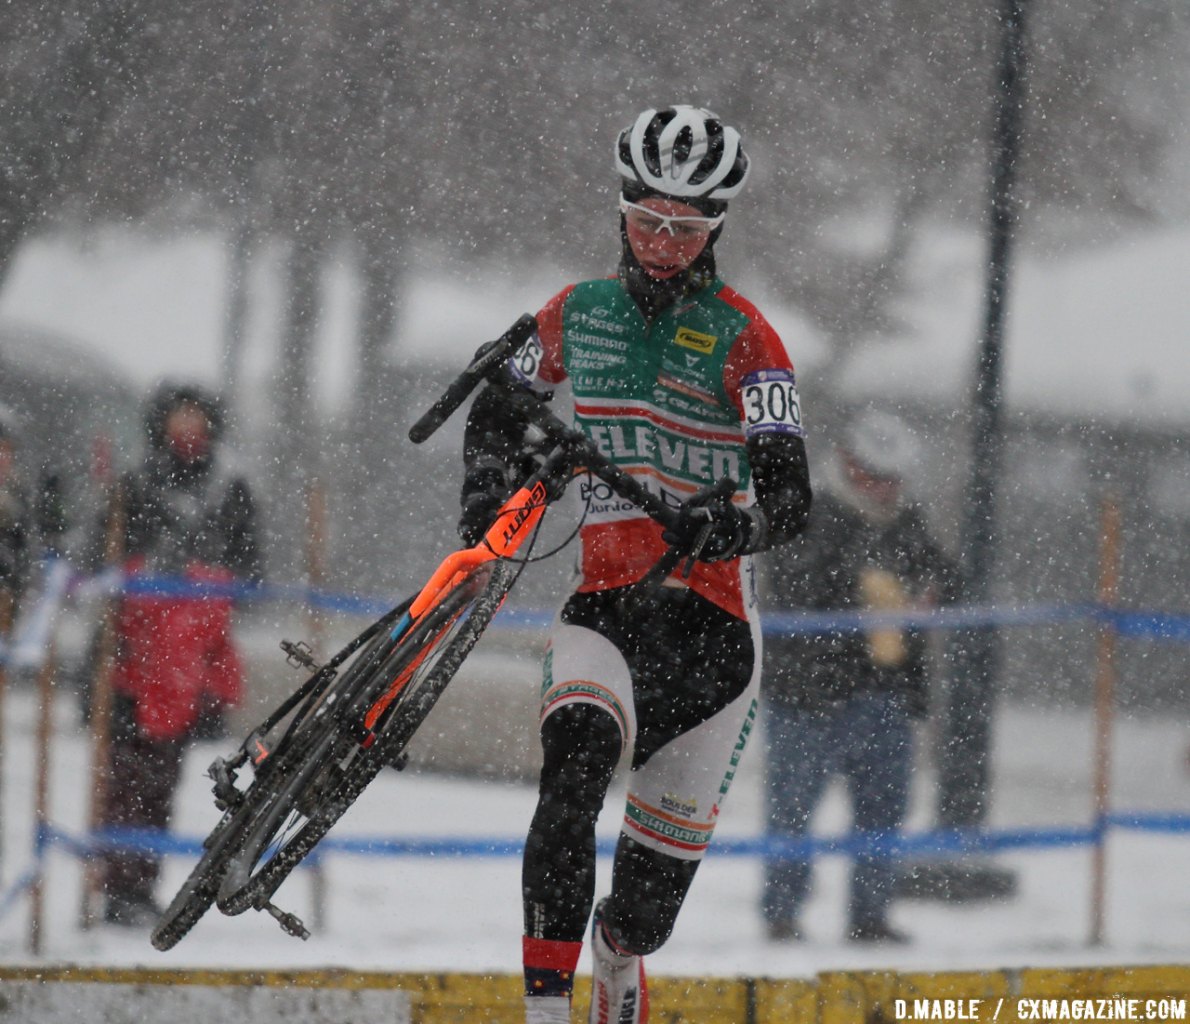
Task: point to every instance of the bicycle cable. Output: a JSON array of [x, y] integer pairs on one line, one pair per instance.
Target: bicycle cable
[[528, 559]]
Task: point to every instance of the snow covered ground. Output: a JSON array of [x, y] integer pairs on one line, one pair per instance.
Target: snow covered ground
[[464, 914]]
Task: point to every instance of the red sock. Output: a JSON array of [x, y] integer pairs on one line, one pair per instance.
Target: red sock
[[549, 966]]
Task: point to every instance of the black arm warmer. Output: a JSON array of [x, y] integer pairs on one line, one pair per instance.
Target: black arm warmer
[[781, 480]]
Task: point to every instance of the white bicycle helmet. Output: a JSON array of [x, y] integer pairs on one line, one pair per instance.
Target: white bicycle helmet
[[683, 152], [882, 443]]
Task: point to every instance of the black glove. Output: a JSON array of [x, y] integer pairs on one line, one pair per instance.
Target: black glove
[[714, 532], [485, 488]]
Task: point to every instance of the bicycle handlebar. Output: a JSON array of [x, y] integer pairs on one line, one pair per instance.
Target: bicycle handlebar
[[487, 362], [490, 358]]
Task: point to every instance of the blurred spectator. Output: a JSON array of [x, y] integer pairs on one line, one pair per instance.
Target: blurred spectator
[[16, 525], [843, 702], [50, 512], [186, 515]]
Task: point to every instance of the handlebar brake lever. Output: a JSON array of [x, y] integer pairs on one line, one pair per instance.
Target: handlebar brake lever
[[700, 541]]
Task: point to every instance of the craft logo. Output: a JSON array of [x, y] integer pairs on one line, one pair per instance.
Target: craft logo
[[687, 338]]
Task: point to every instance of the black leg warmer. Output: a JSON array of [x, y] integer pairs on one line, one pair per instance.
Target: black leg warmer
[[648, 889], [582, 747]]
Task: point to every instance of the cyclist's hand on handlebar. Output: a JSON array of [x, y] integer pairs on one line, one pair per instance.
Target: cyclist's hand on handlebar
[[485, 488], [711, 532]]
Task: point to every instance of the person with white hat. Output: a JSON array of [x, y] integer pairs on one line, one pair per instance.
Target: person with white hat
[[842, 702]]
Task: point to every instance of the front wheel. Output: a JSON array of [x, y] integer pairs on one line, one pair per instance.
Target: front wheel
[[351, 747], [198, 892]]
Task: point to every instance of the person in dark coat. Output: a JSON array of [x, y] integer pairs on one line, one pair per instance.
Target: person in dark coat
[[16, 525], [187, 515], [843, 702]]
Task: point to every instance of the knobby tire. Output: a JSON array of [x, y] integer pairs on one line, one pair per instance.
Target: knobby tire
[[201, 887], [198, 892], [437, 646]]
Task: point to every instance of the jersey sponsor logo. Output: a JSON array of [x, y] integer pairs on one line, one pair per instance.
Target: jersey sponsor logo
[[686, 807], [696, 340], [584, 383], [598, 319], [602, 503], [771, 403], [736, 754], [641, 442], [672, 400], [597, 341], [665, 832], [685, 388]]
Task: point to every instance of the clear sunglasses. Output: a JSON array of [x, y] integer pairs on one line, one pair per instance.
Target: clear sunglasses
[[653, 223]]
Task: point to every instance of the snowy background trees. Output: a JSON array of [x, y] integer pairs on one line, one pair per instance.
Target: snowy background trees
[[335, 203]]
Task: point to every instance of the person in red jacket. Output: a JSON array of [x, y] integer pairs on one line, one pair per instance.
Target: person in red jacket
[[188, 516]]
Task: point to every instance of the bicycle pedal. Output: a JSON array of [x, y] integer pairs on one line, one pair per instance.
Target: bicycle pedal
[[299, 654], [291, 924]]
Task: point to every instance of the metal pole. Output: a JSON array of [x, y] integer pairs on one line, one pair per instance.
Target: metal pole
[[964, 785], [1105, 694], [249, 132], [235, 315]]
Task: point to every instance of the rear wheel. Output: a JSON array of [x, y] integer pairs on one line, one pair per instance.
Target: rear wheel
[[345, 751], [198, 892]]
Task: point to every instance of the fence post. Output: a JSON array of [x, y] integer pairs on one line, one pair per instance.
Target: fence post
[[101, 703], [316, 631], [315, 562], [6, 604], [1105, 685], [41, 797]]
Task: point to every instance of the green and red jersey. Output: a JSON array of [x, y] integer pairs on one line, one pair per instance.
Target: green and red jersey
[[673, 401]]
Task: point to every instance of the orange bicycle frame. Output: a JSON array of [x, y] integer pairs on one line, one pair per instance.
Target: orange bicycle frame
[[516, 520]]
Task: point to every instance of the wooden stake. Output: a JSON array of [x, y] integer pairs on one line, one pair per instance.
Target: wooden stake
[[316, 631], [1105, 685], [41, 797], [315, 562], [101, 704], [6, 604]]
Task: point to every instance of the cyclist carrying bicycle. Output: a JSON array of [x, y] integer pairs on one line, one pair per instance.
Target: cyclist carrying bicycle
[[681, 381]]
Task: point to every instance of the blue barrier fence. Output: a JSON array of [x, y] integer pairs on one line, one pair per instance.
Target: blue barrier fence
[[32, 639], [1134, 624], [767, 847], [930, 843]]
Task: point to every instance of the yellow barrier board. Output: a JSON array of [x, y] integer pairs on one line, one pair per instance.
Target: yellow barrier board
[[1156, 994]]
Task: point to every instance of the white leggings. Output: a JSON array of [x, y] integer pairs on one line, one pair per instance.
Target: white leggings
[[682, 774]]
